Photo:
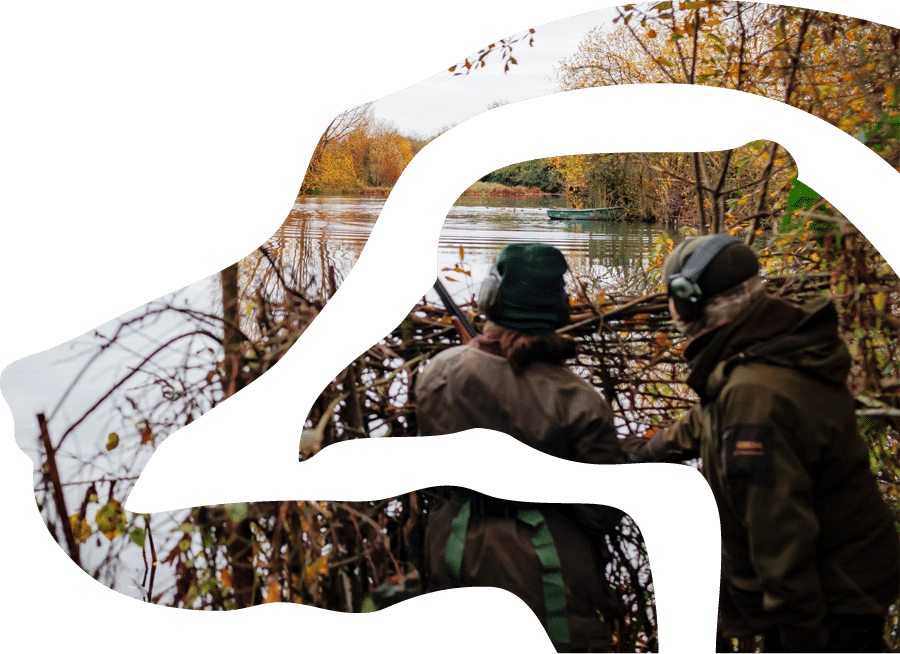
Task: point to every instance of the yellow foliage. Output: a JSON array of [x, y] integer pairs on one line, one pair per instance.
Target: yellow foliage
[[80, 528], [334, 170], [846, 73], [273, 592], [316, 568]]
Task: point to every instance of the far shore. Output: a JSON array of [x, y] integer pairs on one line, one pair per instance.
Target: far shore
[[478, 189]]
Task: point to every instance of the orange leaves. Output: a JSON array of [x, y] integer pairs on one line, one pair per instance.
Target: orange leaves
[[315, 569], [457, 269], [333, 170], [273, 591], [659, 347], [146, 433], [387, 155]]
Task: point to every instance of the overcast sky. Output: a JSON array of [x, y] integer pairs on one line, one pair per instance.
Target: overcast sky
[[446, 99]]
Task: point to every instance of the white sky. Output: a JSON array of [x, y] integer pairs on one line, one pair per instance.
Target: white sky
[[446, 99]]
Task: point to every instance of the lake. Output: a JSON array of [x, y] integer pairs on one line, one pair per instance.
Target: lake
[[323, 231]]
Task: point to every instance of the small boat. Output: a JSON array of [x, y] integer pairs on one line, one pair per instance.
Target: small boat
[[599, 213]]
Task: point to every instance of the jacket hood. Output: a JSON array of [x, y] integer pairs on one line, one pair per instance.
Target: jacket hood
[[774, 331]]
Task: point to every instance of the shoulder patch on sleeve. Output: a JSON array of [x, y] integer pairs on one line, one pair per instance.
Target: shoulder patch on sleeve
[[745, 454]]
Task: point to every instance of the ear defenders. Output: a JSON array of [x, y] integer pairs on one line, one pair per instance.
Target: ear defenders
[[684, 288], [490, 293]]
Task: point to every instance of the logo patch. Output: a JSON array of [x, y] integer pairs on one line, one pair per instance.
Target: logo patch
[[744, 454], [749, 448]]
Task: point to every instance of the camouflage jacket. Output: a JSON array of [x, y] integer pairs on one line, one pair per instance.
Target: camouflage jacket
[[805, 530]]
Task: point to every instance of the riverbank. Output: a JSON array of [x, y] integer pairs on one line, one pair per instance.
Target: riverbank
[[478, 189], [495, 190]]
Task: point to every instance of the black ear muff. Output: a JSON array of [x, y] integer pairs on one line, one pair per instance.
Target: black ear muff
[[489, 292], [684, 287]]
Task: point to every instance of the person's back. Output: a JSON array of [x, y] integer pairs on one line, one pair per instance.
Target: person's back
[[545, 406], [513, 379]]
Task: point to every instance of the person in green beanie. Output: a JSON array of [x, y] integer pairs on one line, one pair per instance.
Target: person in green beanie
[[512, 378], [810, 554]]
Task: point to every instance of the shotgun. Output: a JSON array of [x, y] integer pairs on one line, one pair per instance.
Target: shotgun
[[459, 319]]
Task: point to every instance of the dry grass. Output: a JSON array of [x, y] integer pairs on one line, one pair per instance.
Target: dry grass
[[491, 189]]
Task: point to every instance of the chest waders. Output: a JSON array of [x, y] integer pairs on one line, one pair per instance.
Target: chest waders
[[554, 592]]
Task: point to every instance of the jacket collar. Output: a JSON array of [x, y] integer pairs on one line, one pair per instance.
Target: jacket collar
[[774, 330]]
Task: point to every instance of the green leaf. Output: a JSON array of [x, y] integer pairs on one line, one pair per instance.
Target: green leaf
[[113, 441], [662, 6], [138, 536], [677, 37], [110, 519], [238, 511], [207, 585], [801, 196]]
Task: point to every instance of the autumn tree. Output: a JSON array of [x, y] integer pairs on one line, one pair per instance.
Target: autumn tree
[[388, 154], [840, 69], [334, 161]]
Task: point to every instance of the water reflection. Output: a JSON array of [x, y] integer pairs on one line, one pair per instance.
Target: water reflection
[[323, 238]]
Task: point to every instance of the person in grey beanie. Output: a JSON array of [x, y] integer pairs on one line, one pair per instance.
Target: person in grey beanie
[[810, 553]]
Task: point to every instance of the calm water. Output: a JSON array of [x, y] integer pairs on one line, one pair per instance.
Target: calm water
[[334, 230]]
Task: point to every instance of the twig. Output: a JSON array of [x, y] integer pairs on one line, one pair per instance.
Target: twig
[[773, 148], [154, 562], [133, 372], [58, 497], [609, 314]]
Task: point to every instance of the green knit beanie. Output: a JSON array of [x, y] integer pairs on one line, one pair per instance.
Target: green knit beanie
[[532, 294]]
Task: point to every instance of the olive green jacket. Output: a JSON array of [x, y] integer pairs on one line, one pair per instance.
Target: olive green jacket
[[805, 530], [553, 410]]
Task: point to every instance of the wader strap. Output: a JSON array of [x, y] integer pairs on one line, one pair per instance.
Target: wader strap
[[456, 543], [554, 592]]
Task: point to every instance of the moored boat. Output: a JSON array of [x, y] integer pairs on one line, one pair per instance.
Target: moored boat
[[597, 213]]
